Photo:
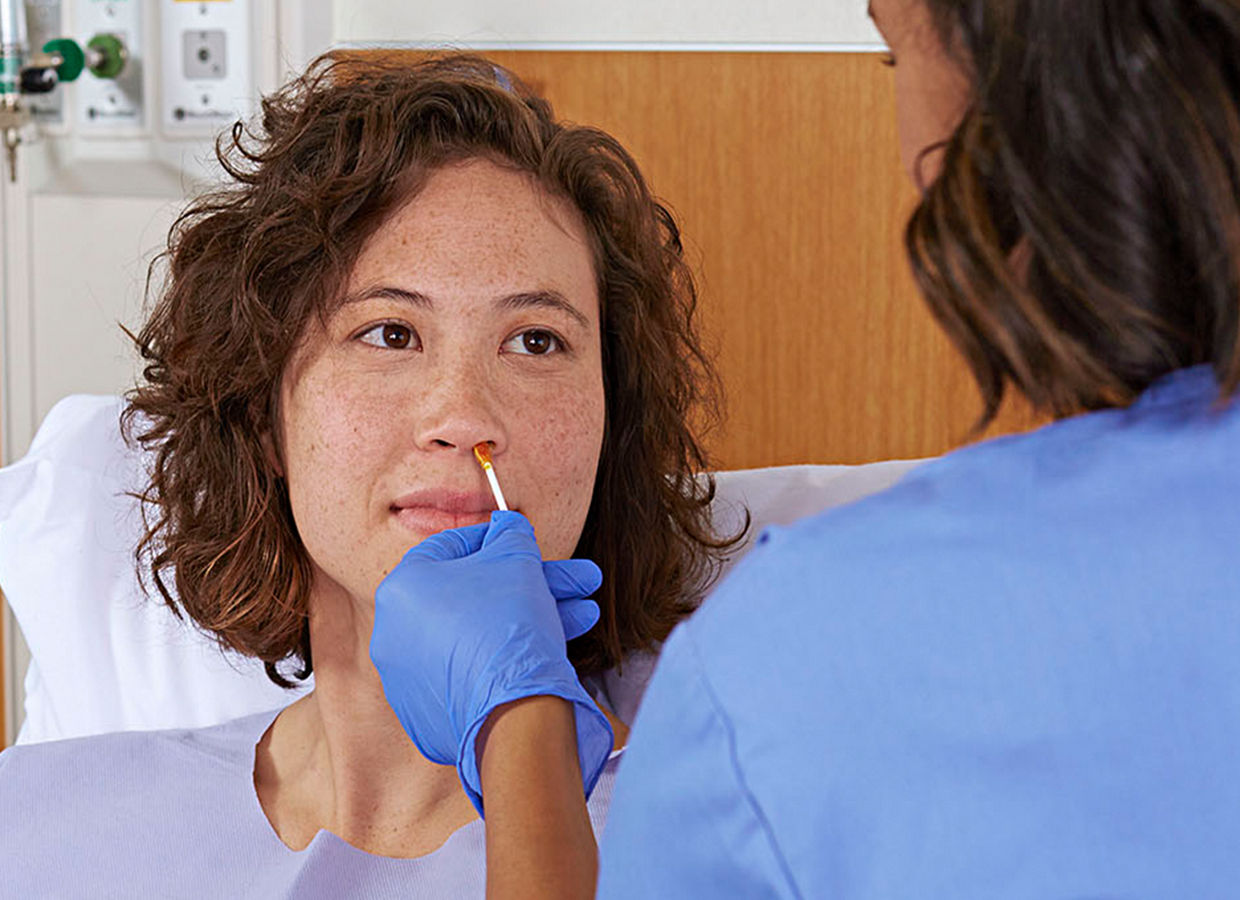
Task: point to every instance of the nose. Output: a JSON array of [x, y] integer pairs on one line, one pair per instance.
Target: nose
[[459, 409]]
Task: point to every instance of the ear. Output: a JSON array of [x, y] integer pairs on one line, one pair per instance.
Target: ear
[[272, 454]]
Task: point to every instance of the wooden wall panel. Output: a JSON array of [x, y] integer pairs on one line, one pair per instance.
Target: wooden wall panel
[[784, 172]]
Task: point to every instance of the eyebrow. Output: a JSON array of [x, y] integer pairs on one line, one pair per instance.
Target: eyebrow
[[546, 299]]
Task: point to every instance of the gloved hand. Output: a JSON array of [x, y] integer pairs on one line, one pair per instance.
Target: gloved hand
[[473, 618]]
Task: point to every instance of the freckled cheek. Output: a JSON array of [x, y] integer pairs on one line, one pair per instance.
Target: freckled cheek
[[338, 418], [329, 436], [558, 449]]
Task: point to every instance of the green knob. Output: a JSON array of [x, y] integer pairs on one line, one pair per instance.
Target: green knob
[[111, 55], [73, 60]]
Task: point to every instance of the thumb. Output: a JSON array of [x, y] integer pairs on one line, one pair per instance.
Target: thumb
[[510, 532]]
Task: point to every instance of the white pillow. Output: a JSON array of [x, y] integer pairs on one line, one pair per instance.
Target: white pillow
[[105, 658]]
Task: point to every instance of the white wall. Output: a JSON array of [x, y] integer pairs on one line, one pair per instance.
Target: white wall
[[797, 24]]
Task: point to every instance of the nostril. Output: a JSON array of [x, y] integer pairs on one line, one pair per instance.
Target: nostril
[[442, 443]]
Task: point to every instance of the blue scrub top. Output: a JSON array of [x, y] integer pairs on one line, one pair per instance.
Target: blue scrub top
[[1014, 675]]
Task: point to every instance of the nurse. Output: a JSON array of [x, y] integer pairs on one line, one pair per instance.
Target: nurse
[[1016, 674]]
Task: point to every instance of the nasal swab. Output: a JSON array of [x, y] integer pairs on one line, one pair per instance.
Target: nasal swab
[[483, 453]]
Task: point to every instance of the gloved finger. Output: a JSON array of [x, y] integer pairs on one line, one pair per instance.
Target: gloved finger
[[577, 616], [570, 578], [451, 544], [510, 532]]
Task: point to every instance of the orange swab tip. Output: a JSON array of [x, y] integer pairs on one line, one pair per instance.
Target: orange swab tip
[[482, 451]]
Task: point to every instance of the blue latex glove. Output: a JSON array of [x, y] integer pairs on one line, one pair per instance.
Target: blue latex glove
[[473, 618]]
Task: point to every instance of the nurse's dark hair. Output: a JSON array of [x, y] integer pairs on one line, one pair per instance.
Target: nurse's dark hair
[[1083, 237], [248, 266]]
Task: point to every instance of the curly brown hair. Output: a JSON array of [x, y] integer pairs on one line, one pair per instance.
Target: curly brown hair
[[1083, 237], [339, 149]]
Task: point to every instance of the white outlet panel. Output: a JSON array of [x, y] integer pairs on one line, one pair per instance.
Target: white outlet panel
[[111, 107], [207, 67]]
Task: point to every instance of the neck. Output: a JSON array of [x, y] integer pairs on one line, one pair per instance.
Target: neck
[[338, 759]]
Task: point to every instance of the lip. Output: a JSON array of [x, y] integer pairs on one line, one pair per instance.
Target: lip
[[426, 520], [446, 501], [429, 511]]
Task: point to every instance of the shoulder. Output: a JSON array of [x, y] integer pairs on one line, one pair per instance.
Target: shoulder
[[1102, 502], [983, 634], [986, 578], [222, 741], [131, 812], [836, 572], [56, 777]]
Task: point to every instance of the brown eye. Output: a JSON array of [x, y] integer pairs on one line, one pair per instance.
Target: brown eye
[[396, 336], [537, 342], [390, 336], [534, 342]]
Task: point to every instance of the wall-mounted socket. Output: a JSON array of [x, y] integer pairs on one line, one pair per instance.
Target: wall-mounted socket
[[207, 79], [204, 54]]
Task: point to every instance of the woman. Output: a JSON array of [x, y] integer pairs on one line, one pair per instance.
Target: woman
[[1016, 674], [415, 258]]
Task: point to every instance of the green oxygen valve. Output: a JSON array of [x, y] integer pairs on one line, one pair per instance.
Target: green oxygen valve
[[106, 55]]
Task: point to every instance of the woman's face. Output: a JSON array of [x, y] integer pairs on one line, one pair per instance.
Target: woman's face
[[471, 315], [932, 91]]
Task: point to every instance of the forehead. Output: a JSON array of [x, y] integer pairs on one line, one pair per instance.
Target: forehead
[[479, 226]]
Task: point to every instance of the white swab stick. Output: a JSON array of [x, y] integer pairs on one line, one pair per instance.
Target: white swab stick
[[482, 452]]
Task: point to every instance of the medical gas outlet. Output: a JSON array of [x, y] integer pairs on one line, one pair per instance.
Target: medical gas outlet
[[112, 103], [206, 70], [27, 75]]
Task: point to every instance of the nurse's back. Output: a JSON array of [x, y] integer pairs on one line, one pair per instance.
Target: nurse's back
[[1017, 674]]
